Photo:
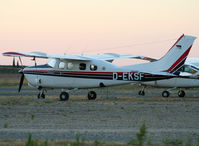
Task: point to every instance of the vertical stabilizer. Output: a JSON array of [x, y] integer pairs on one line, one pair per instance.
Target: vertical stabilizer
[[176, 56], [173, 59]]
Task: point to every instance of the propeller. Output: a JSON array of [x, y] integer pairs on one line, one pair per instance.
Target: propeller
[[21, 80]]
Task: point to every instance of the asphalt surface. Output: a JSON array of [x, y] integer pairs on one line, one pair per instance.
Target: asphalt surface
[[116, 117], [102, 92]]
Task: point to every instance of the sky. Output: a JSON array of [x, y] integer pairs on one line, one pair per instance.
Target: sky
[[147, 28]]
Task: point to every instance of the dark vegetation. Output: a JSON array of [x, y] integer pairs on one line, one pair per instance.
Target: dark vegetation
[[8, 69], [142, 139]]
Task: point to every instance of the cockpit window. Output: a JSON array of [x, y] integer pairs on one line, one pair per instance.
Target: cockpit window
[[82, 66], [187, 69], [52, 63], [93, 67]]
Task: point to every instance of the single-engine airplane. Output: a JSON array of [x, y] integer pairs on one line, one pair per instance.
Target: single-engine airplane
[[68, 72]]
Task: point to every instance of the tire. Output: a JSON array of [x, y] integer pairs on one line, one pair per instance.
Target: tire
[[92, 95], [141, 93], [38, 96], [181, 93], [43, 95], [165, 94], [64, 96]]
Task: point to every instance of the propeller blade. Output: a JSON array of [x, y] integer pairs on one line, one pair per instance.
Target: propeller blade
[[21, 82]]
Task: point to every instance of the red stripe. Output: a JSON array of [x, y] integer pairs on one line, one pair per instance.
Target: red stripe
[[13, 53], [174, 44], [179, 60], [178, 66], [74, 72]]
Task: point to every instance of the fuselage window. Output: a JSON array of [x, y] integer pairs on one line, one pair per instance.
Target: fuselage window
[[61, 65], [70, 65], [82, 66], [93, 67]]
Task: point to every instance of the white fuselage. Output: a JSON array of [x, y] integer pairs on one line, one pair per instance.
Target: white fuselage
[[72, 77], [76, 74], [174, 82]]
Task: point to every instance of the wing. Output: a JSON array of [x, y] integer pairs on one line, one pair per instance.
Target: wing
[[112, 56], [145, 58], [106, 57], [44, 55], [109, 56]]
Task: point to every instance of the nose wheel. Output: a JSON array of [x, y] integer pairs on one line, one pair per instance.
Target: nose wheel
[[41, 94]]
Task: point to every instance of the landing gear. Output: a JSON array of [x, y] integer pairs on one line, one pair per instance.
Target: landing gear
[[41, 95], [64, 96], [92, 95], [165, 94], [141, 92], [181, 93], [41, 92]]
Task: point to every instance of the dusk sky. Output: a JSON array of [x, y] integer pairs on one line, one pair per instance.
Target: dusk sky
[[143, 27]]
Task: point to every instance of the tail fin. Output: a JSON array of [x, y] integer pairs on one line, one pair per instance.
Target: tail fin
[[174, 59], [177, 55]]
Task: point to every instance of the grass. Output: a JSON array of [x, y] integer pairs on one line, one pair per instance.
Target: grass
[[80, 141], [10, 76], [6, 69], [32, 116], [5, 125]]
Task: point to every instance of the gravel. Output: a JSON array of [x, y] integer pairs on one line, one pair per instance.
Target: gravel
[[103, 119]]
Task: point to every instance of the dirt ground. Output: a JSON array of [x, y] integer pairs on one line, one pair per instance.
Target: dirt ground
[[105, 119]]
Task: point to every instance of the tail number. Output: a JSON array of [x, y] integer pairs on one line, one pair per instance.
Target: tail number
[[128, 76]]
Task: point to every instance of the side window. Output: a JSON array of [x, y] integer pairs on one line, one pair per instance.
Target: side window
[[93, 67], [70, 65], [82, 66], [61, 65]]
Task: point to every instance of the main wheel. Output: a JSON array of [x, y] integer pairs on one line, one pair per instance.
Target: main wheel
[[141, 93], [43, 95], [165, 94], [92, 95], [181, 93], [38, 96], [64, 96]]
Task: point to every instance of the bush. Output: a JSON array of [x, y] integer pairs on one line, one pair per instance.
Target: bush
[[173, 142], [141, 135], [79, 141], [31, 142]]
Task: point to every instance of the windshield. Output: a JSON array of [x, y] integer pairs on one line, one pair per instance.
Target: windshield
[[52, 63]]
